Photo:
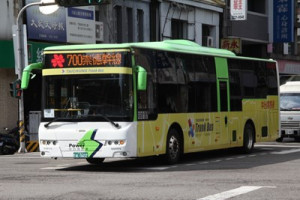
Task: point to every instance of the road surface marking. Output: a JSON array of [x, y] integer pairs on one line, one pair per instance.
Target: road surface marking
[[287, 151], [235, 192], [274, 145], [54, 167]]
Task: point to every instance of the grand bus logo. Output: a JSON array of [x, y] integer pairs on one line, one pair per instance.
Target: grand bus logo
[[201, 125]]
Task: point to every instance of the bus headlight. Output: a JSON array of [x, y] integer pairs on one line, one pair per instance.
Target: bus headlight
[[115, 142], [48, 142]]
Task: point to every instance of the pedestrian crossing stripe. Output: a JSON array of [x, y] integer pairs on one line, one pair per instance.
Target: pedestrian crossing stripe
[[32, 146]]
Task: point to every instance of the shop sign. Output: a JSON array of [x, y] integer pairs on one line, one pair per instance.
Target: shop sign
[[283, 21], [232, 44], [238, 10]]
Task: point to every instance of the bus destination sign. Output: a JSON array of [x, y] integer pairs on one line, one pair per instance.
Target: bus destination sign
[[97, 59]]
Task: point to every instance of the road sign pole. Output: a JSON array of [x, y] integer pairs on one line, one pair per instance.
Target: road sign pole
[[20, 67]]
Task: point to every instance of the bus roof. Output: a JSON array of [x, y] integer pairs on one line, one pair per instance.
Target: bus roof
[[290, 87], [167, 45], [183, 46]]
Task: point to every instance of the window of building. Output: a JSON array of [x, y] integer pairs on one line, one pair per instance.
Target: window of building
[[130, 24], [179, 29], [118, 17], [258, 6], [140, 25]]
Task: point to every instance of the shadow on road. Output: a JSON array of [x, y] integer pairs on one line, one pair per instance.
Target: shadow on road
[[226, 159]]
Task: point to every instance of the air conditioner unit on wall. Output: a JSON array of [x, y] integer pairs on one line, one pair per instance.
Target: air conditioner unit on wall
[[208, 41], [99, 31]]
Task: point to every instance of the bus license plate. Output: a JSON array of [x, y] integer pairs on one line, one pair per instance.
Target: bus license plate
[[80, 155]]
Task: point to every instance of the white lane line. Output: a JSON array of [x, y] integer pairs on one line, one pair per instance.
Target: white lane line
[[19, 157], [215, 161], [235, 192], [274, 145], [241, 157], [53, 168], [203, 163], [191, 164], [287, 151]]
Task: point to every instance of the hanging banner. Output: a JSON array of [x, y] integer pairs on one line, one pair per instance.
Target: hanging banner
[[238, 10], [283, 24]]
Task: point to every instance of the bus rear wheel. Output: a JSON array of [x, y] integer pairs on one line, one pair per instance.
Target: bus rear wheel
[[173, 147], [95, 161], [248, 143]]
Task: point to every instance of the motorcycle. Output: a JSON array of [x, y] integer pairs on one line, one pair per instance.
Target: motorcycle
[[9, 142]]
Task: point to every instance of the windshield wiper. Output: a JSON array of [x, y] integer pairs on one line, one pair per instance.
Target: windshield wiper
[[104, 117], [84, 116], [53, 120]]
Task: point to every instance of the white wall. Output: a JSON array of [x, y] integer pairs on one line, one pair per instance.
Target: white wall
[[7, 12]]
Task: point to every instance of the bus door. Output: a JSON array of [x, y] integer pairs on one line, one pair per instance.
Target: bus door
[[223, 88], [222, 118]]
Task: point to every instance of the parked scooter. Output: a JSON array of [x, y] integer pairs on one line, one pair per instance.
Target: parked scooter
[[9, 141]]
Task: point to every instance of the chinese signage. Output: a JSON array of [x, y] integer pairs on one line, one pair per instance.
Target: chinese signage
[[35, 51], [232, 44], [97, 59], [73, 25], [283, 16], [81, 25], [238, 9], [46, 27]]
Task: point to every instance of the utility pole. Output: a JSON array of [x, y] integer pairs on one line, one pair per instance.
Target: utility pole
[[20, 67]]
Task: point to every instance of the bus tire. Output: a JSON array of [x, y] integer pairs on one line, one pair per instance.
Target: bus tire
[[95, 161], [248, 143], [173, 151]]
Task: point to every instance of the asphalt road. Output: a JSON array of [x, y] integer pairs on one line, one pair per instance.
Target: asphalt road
[[271, 172]]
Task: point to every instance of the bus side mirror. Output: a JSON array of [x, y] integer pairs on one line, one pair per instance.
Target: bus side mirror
[[142, 78], [27, 72]]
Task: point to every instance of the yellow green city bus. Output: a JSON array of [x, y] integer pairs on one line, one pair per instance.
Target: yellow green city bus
[[163, 98]]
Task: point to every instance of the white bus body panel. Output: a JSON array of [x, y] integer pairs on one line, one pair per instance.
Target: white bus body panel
[[60, 139]]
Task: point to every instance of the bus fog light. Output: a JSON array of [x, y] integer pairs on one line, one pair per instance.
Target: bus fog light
[[116, 142], [54, 142], [109, 142]]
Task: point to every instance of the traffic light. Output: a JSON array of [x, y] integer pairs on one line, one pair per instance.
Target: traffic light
[[74, 3], [15, 89]]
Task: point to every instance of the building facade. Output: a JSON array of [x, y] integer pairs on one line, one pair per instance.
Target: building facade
[[198, 21], [270, 30], [8, 105]]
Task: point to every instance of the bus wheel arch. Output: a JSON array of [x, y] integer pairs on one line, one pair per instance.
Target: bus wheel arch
[[248, 137], [174, 144]]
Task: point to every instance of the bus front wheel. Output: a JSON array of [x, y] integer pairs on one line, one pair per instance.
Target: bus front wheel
[[173, 147], [248, 143], [95, 161]]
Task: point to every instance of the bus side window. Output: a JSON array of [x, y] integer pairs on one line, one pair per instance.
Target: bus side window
[[147, 99]]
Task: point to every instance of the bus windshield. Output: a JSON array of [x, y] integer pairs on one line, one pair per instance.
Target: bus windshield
[[88, 97], [289, 102]]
